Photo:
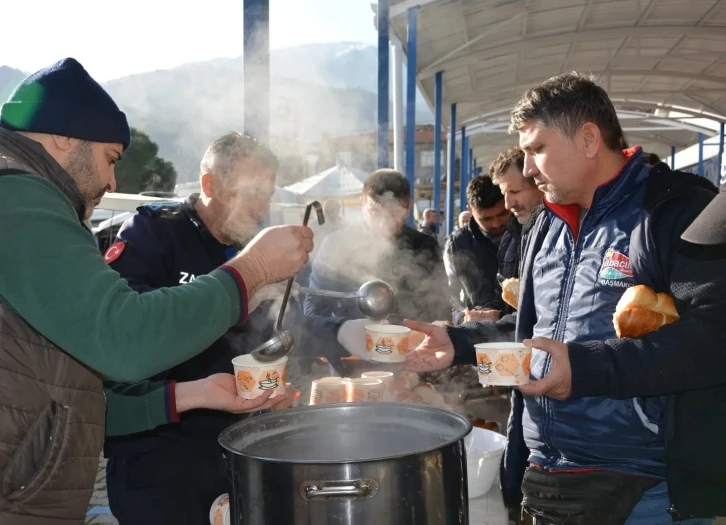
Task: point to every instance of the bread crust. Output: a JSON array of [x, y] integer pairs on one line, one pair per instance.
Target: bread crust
[[510, 292], [641, 311]]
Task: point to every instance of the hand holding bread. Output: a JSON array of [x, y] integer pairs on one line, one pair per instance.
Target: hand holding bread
[[641, 311]]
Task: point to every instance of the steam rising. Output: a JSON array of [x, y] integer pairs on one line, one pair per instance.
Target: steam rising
[[184, 109], [361, 252]]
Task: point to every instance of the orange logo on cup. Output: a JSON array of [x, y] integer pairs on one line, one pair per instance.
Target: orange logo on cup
[[507, 365], [403, 346], [526, 364], [484, 364], [269, 380], [384, 345], [245, 381]]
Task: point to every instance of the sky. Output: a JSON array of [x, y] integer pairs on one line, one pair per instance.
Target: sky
[[144, 35]]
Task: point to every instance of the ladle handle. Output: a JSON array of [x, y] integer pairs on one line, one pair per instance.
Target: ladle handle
[[288, 288], [327, 293]]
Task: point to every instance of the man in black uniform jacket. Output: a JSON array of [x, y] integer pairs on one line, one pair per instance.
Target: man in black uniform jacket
[[173, 473]]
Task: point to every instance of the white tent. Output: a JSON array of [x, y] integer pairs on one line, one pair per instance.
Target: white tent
[[284, 196], [337, 181], [125, 201]]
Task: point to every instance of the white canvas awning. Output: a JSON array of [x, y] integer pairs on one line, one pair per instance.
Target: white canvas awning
[[337, 181]]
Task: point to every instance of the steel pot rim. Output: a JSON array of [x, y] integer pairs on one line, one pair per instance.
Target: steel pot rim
[[425, 408]]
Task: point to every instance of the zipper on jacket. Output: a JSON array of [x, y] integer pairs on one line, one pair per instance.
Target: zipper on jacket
[[561, 316]]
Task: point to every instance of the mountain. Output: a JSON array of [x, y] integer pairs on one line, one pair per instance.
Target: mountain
[[9, 78], [316, 90], [185, 108]]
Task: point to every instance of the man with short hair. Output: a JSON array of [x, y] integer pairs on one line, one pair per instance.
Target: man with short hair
[[428, 225], [522, 198], [67, 320], [172, 244], [471, 254], [619, 430], [381, 247]]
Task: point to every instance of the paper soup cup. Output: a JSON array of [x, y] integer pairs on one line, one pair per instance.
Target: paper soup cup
[[219, 513], [387, 343], [387, 380], [363, 389], [328, 390], [503, 364], [254, 378]]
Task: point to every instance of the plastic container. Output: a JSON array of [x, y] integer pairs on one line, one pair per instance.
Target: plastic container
[[484, 450]]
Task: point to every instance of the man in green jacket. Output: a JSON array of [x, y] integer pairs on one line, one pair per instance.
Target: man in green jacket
[[67, 320]]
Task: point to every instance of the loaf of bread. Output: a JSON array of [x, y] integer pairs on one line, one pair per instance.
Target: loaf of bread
[[407, 381], [510, 292], [429, 395], [641, 311], [406, 396]]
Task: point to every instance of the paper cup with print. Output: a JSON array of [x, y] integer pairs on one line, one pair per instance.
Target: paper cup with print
[[219, 513], [364, 389], [387, 381], [254, 378], [387, 343], [503, 364], [328, 390]]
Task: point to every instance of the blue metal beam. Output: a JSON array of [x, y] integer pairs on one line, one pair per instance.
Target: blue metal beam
[[721, 161], [411, 101], [472, 172], [700, 154], [451, 176], [438, 97], [256, 67], [463, 170], [673, 157], [383, 83]]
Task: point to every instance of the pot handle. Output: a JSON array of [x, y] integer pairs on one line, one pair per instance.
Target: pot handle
[[360, 488]]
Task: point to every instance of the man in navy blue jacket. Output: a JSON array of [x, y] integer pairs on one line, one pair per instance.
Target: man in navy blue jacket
[[610, 424], [173, 473]]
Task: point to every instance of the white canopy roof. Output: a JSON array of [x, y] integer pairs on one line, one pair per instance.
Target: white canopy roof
[[653, 56]]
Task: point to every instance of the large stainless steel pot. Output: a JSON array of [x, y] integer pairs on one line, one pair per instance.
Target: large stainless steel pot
[[349, 464]]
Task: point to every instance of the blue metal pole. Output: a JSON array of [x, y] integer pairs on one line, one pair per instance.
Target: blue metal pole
[[383, 83], [472, 173], [451, 177], [411, 102], [721, 178], [438, 97], [256, 67], [700, 154], [463, 170], [673, 157]]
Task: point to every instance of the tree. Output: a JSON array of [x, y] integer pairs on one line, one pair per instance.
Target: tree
[[141, 170]]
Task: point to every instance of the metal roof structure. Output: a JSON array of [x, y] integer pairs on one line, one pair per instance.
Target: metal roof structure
[[653, 57]]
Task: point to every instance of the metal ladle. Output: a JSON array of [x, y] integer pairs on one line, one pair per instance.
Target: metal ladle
[[284, 342], [375, 299]]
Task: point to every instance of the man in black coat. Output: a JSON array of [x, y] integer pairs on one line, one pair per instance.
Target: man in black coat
[[470, 255]]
